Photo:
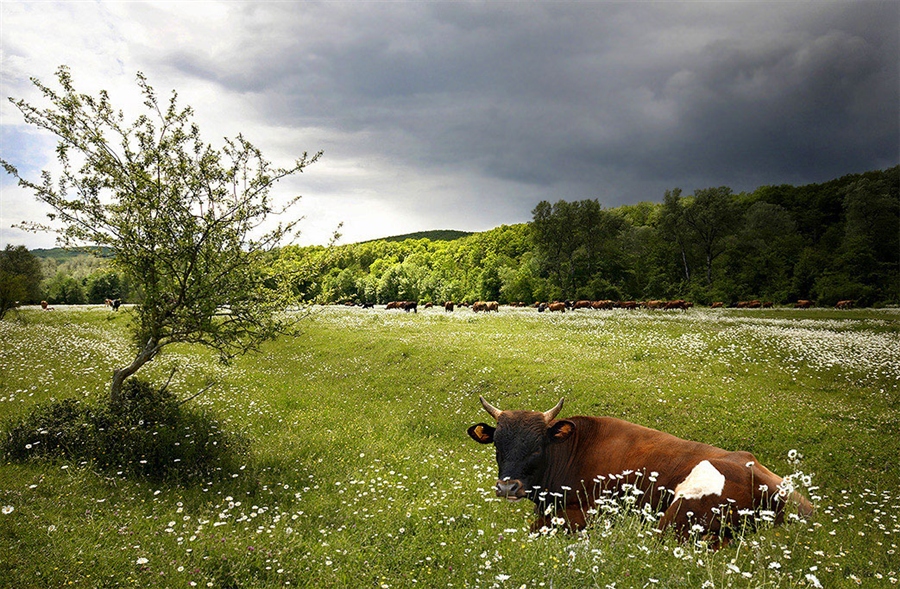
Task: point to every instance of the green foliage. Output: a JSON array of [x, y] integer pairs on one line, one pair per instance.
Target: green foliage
[[839, 240], [146, 432], [20, 278], [435, 235], [64, 289], [772, 244], [106, 284], [184, 219]]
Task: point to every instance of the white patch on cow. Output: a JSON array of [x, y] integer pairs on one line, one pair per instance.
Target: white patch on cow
[[704, 480]]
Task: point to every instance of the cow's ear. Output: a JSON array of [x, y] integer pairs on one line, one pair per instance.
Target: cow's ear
[[560, 430], [482, 433]]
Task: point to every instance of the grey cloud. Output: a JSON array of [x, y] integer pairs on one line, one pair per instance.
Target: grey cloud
[[518, 102]]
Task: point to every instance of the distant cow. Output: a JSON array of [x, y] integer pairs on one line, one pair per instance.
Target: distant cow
[[405, 305], [717, 305], [492, 306], [479, 306], [581, 305], [803, 304], [677, 304], [848, 304], [561, 307], [567, 466], [603, 304], [448, 306]]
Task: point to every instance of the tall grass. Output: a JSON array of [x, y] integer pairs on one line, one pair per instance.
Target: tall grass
[[360, 472]]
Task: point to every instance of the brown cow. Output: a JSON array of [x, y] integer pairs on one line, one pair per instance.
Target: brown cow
[[848, 304], [803, 304], [568, 466], [677, 304], [717, 305], [602, 304], [561, 307], [581, 305], [448, 306], [479, 306], [405, 305], [492, 306]]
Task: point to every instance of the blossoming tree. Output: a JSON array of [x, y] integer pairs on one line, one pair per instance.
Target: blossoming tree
[[187, 222]]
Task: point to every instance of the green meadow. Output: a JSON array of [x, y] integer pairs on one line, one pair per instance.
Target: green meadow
[[359, 471]]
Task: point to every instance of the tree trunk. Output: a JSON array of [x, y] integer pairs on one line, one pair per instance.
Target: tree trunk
[[120, 375], [687, 269]]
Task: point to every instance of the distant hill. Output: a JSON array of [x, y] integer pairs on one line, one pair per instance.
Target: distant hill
[[436, 235], [62, 254]]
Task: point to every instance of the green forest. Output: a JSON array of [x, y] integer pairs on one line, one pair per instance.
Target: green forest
[[839, 240], [822, 242]]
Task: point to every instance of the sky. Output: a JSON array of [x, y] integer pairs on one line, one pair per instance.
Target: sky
[[465, 115]]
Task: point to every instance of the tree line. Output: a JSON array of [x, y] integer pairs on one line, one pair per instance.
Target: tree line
[[822, 242]]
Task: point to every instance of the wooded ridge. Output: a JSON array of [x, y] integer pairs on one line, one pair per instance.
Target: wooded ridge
[[839, 240]]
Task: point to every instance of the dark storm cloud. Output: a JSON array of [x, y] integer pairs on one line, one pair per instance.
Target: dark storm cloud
[[490, 107], [617, 101]]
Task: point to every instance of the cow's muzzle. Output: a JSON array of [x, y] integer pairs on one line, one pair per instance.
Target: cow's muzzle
[[510, 489]]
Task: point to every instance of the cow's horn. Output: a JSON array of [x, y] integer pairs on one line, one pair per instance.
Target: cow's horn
[[493, 411], [551, 415]]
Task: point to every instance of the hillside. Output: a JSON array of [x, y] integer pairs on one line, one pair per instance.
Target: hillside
[[62, 254], [434, 235]]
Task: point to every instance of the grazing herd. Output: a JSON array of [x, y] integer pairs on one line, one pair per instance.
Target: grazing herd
[[560, 306], [563, 306], [405, 305]]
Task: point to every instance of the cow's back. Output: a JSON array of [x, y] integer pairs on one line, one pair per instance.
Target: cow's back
[[603, 447]]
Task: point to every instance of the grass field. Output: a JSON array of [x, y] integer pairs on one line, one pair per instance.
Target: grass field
[[361, 474]]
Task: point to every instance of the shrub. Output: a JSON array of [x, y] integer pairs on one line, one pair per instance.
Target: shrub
[[145, 433]]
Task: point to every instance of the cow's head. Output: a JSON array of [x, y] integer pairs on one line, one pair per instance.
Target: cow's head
[[521, 439]]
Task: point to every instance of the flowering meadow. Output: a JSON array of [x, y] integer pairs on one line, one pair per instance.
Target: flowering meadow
[[360, 472]]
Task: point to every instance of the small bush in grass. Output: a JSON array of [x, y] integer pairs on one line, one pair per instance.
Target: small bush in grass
[[147, 432]]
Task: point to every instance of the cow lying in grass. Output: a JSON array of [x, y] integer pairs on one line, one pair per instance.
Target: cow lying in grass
[[566, 466]]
